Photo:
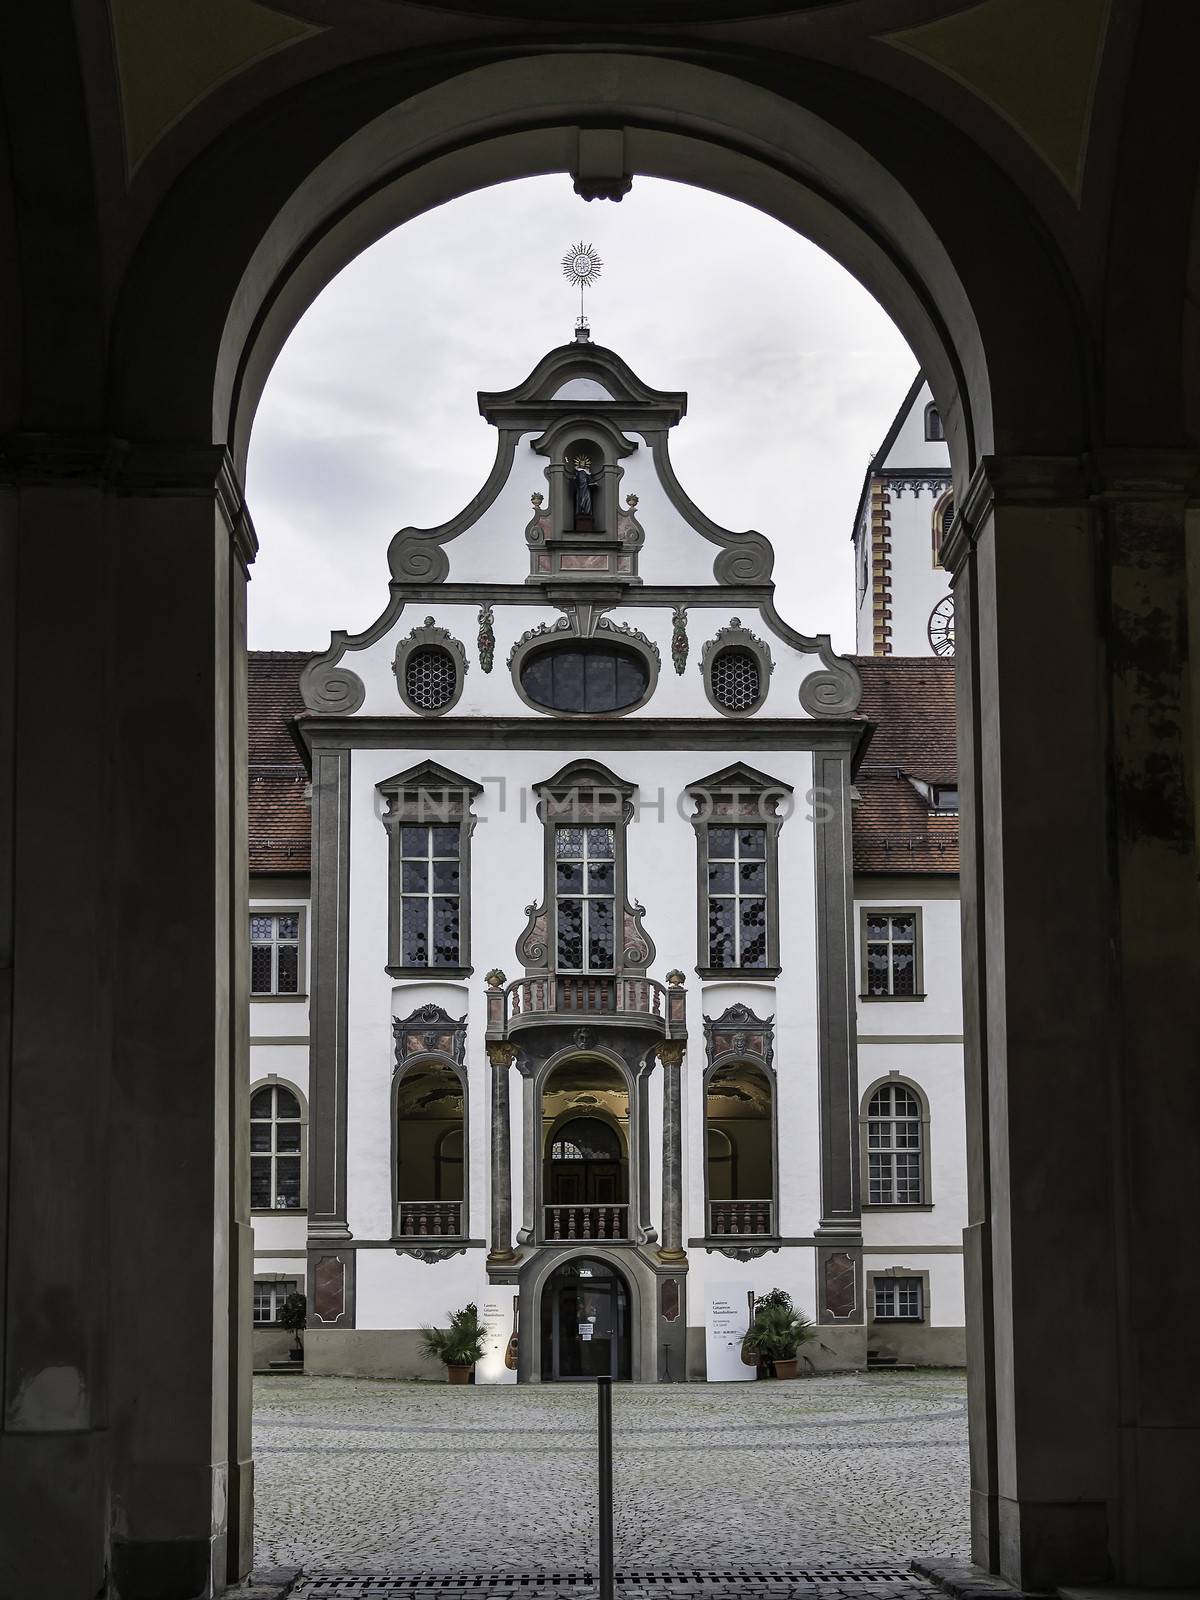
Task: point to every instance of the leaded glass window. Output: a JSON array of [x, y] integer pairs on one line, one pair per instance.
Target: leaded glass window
[[895, 1154], [891, 952], [898, 1300], [276, 1149], [275, 952], [737, 897], [585, 875], [269, 1295], [430, 895]]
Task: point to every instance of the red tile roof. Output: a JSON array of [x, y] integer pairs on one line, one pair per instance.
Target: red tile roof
[[910, 699], [280, 816]]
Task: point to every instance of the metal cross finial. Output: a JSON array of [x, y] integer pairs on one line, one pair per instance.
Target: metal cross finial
[[582, 265]]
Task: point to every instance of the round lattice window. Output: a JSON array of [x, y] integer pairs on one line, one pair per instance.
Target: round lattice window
[[736, 679], [430, 678]]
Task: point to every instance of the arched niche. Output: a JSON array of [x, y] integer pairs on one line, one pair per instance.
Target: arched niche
[[741, 1180], [429, 1142]]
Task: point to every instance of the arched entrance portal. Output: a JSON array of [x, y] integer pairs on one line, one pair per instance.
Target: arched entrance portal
[[585, 1322]]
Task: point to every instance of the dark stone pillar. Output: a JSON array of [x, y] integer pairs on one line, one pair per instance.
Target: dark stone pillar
[[501, 1056], [125, 943], [670, 1053], [1081, 949]]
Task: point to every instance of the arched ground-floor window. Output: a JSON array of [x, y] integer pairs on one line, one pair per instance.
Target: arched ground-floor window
[[739, 1126], [429, 1119]]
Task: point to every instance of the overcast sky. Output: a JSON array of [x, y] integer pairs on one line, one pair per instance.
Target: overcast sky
[[369, 421]]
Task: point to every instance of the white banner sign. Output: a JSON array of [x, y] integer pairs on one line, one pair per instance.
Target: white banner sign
[[726, 1321], [499, 1364]]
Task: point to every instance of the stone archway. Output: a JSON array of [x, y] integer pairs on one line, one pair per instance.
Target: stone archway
[[1076, 760]]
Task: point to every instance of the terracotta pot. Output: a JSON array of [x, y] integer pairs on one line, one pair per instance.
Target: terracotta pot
[[458, 1374], [787, 1368]]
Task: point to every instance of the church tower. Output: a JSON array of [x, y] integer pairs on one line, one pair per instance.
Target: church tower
[[903, 602]]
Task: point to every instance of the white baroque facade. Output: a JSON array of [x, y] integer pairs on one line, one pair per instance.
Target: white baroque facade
[[611, 1007]]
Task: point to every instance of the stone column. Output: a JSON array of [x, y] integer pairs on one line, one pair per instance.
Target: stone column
[[501, 1055], [670, 1053], [1081, 946], [126, 1082]]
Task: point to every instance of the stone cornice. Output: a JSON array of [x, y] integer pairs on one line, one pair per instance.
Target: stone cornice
[[1069, 481], [150, 471]]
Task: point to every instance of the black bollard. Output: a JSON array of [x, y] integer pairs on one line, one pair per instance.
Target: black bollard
[[604, 1495]]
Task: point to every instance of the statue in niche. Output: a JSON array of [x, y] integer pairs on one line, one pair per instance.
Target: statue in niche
[[584, 480]]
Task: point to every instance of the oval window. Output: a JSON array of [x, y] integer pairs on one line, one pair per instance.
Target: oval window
[[430, 678], [585, 678], [736, 679]]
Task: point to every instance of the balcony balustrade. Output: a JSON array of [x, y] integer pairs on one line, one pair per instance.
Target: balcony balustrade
[[586, 1222], [429, 1219], [545, 997], [739, 1217]]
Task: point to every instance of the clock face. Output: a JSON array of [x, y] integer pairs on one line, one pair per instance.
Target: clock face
[[941, 627]]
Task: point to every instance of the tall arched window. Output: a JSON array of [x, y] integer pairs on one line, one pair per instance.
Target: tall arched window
[[430, 1127], [896, 1144], [933, 423], [277, 1122], [740, 1167]]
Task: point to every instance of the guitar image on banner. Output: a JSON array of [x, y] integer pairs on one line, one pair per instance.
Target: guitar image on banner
[[510, 1355], [750, 1358]]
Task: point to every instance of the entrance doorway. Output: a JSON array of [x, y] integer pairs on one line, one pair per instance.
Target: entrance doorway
[[585, 1322]]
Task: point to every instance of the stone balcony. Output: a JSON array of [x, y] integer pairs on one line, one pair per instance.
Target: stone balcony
[[598, 1000]]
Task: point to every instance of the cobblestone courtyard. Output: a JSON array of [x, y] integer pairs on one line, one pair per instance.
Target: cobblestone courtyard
[[367, 1476]]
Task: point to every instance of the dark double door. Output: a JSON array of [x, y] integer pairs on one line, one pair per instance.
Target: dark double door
[[585, 1322]]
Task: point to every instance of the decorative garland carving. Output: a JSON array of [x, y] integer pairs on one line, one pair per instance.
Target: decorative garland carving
[[485, 643], [679, 639], [429, 1257]]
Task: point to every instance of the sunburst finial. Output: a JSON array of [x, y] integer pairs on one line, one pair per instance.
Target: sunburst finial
[[582, 266]]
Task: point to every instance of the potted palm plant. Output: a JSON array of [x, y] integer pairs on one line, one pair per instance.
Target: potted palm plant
[[777, 1334], [457, 1347], [293, 1315]]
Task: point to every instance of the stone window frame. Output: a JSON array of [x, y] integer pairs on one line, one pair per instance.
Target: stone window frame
[[272, 1080], [283, 908], [725, 791], [429, 634], [402, 1065], [934, 435], [922, 1277], [940, 526], [273, 1280], [585, 794], [735, 636], [428, 795], [636, 1147], [919, 993], [895, 1079]]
